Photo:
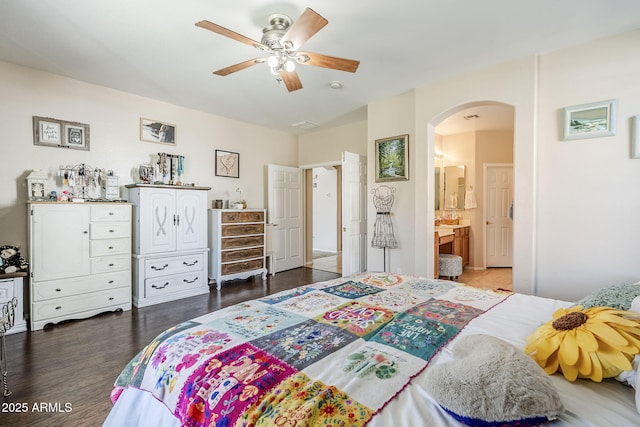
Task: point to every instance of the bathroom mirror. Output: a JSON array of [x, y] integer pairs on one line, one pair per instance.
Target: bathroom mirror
[[454, 187], [437, 188]]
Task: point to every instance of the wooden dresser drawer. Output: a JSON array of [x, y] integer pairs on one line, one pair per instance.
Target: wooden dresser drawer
[[241, 242], [165, 285], [173, 265], [239, 267], [242, 229], [80, 285], [110, 213], [66, 306], [242, 217], [240, 254], [107, 264], [110, 230], [110, 247]]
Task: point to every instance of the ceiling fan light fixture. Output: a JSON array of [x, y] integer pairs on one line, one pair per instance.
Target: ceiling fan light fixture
[[289, 66], [273, 61]]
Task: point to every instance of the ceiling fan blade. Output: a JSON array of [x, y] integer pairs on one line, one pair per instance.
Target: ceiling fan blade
[[238, 67], [228, 33], [325, 61], [291, 80], [309, 23]]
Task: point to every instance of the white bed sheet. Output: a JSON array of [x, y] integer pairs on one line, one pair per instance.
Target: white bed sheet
[[587, 404]]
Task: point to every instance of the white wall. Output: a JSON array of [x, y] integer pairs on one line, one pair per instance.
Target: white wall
[[325, 146], [568, 195], [387, 118], [113, 117], [589, 189]]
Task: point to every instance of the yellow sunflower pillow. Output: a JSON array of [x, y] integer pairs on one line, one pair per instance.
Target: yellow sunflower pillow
[[594, 343]]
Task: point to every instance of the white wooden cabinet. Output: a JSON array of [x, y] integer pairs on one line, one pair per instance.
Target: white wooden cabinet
[[170, 243], [80, 260], [11, 286], [237, 242]]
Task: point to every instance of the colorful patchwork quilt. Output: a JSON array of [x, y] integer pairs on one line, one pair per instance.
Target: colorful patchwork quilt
[[332, 353]]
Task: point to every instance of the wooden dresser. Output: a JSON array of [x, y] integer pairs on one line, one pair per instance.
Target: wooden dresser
[[237, 243], [456, 243]]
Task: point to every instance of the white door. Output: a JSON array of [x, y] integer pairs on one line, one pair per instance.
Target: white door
[[354, 213], [59, 243], [191, 219], [498, 214], [285, 211]]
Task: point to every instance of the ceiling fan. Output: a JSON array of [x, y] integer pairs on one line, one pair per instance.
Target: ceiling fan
[[282, 39]]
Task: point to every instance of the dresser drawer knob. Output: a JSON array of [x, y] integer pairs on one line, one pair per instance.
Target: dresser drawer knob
[[111, 213], [110, 298], [110, 247], [111, 265], [111, 231], [160, 287], [59, 307], [190, 281], [190, 264], [153, 267], [58, 290]]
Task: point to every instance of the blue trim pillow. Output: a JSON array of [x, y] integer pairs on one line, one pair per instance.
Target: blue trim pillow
[[492, 383]]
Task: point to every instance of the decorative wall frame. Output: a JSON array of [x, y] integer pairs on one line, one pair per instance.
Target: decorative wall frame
[[227, 164], [157, 131], [60, 133], [591, 120], [392, 158], [635, 137]]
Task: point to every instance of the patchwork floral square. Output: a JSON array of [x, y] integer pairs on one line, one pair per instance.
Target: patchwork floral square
[[415, 335], [352, 290], [357, 317], [305, 343], [449, 312]]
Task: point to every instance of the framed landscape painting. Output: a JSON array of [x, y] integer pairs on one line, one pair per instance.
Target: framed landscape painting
[[590, 120], [392, 159]]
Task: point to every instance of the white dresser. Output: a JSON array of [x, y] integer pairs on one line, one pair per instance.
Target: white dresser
[[170, 243], [80, 260], [237, 242], [11, 286]]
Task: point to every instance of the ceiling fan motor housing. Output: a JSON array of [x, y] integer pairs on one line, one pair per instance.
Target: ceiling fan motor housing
[[278, 26]]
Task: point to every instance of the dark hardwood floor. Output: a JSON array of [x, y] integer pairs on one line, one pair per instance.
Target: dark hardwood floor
[[62, 376]]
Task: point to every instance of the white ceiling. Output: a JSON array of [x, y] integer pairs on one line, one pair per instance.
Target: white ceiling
[[152, 47]]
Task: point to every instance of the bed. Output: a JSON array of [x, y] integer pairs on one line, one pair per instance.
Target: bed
[[350, 351]]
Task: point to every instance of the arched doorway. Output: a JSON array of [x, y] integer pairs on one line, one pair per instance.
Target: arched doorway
[[475, 140]]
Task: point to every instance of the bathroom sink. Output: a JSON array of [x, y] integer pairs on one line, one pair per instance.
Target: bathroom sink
[[449, 226]]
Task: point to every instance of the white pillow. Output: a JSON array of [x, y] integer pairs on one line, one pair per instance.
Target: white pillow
[[635, 304]]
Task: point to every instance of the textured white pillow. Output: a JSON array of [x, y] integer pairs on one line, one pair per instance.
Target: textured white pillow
[[491, 382]]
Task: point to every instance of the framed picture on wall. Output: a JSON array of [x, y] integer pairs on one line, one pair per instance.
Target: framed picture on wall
[[60, 133], [227, 164], [590, 120], [157, 131], [392, 159]]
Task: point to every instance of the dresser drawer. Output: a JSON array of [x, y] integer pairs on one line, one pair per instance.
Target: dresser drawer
[[166, 285], [241, 242], [241, 254], [242, 229], [242, 217], [173, 265], [80, 285], [107, 264], [110, 213], [239, 267], [110, 230], [43, 310], [110, 247]]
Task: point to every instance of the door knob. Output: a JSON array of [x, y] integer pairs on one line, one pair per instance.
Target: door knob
[[488, 222]]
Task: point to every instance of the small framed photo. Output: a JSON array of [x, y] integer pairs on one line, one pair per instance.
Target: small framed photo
[[392, 159], [60, 133], [157, 131], [592, 120], [635, 137], [76, 135], [227, 164]]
